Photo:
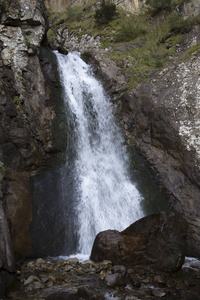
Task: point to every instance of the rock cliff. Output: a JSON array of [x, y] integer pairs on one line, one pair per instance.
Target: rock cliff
[[161, 117], [26, 112], [59, 5]]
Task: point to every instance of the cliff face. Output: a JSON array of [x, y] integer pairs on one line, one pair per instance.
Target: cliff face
[[60, 5], [26, 113], [161, 117]]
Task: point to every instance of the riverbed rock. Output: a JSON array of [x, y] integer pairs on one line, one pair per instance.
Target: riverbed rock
[[63, 294], [158, 240], [141, 282]]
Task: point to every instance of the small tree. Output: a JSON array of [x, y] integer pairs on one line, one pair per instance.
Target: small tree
[[105, 13], [158, 5]]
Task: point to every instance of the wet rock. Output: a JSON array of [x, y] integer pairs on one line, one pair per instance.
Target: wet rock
[[158, 280], [31, 279], [158, 240], [159, 293], [7, 261], [63, 294], [115, 280], [87, 292], [133, 278], [119, 269]]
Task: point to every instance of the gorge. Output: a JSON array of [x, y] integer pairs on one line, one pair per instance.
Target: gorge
[[158, 112]]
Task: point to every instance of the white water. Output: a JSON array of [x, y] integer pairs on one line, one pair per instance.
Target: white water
[[105, 196]]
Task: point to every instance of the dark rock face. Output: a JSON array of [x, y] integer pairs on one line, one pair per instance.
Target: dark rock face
[[158, 240], [26, 114], [7, 261], [63, 294]]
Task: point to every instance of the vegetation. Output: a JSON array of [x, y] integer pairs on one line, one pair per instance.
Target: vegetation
[[137, 43], [194, 49], [17, 101], [105, 13]]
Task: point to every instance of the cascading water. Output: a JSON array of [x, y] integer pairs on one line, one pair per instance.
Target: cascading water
[[104, 196]]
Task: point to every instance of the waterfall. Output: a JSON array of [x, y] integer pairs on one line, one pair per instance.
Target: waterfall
[[104, 196]]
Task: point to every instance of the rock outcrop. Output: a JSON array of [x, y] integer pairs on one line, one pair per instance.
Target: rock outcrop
[[59, 5], [7, 260], [161, 117], [158, 240], [26, 112]]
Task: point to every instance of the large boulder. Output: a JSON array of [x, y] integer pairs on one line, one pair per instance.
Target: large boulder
[[158, 240]]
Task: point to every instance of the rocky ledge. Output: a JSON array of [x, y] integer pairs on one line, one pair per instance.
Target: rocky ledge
[[48, 279]]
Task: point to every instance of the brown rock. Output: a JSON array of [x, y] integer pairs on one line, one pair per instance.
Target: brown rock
[[158, 240]]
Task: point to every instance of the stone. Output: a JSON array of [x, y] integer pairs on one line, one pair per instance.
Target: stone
[[31, 279], [63, 294], [134, 279], [87, 292], [159, 293], [158, 280], [115, 280], [158, 240]]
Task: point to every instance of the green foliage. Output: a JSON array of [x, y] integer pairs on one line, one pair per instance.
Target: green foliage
[[17, 101], [50, 35], [193, 49], [173, 24], [156, 6], [138, 44], [105, 13], [159, 4], [133, 27], [70, 14]]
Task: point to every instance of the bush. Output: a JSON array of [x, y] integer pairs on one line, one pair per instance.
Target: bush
[[157, 5], [132, 28], [105, 13]]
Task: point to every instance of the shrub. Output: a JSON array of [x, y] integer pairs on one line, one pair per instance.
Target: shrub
[[132, 28], [105, 13], [157, 5], [17, 101]]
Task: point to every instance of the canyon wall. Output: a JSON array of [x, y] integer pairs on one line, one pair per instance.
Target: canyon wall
[[26, 112]]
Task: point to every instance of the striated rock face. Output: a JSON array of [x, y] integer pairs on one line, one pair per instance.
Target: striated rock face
[[26, 114], [157, 240]]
